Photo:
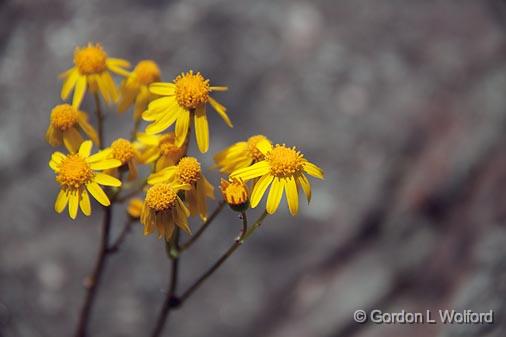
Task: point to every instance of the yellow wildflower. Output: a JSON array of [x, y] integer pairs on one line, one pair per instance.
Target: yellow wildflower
[[186, 97], [127, 153], [188, 171], [134, 208], [239, 155], [235, 193], [283, 169], [91, 70], [134, 89], [161, 149], [76, 174], [64, 126], [164, 210]]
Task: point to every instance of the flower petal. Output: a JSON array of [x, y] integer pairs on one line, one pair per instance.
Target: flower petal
[[306, 187], [259, 189], [219, 88], [73, 204], [106, 180], [84, 204], [292, 196], [88, 129], [253, 171], [69, 83], [99, 156], [61, 201], [99, 194], [85, 149], [162, 88], [275, 194], [72, 140], [202, 129], [313, 170], [117, 62], [264, 146], [182, 124], [163, 121], [221, 110], [79, 91], [105, 164]]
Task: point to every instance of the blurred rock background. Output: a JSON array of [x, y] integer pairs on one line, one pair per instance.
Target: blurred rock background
[[403, 103]]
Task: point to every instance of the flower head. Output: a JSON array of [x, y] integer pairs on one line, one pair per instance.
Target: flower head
[[283, 169], [91, 70], [235, 193], [77, 175], [161, 149], [186, 97], [65, 126], [192, 90], [127, 153], [134, 208], [164, 210], [134, 89], [240, 155], [187, 172]]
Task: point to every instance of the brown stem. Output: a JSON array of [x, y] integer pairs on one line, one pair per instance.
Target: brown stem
[[237, 243], [202, 228], [94, 280], [170, 300], [121, 237]]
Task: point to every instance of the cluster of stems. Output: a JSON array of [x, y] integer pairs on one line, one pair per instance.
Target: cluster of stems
[[174, 248]]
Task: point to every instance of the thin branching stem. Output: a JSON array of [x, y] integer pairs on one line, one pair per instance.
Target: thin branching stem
[[93, 281], [114, 247], [203, 227], [170, 300]]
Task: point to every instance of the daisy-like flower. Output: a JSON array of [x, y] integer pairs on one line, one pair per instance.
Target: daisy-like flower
[[164, 210], [161, 149], [91, 70], [127, 153], [188, 171], [186, 97], [283, 169], [239, 155], [235, 193], [77, 175], [134, 89], [65, 125]]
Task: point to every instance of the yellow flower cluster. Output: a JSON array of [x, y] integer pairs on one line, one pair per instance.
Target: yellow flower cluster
[[176, 187]]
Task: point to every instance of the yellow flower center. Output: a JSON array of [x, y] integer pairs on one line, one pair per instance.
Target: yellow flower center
[[284, 161], [252, 147], [122, 150], [192, 89], [64, 117], [161, 197], [147, 72], [90, 59], [74, 173], [188, 170], [234, 191], [168, 147]]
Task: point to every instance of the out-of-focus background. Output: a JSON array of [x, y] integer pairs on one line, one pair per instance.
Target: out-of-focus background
[[403, 104]]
